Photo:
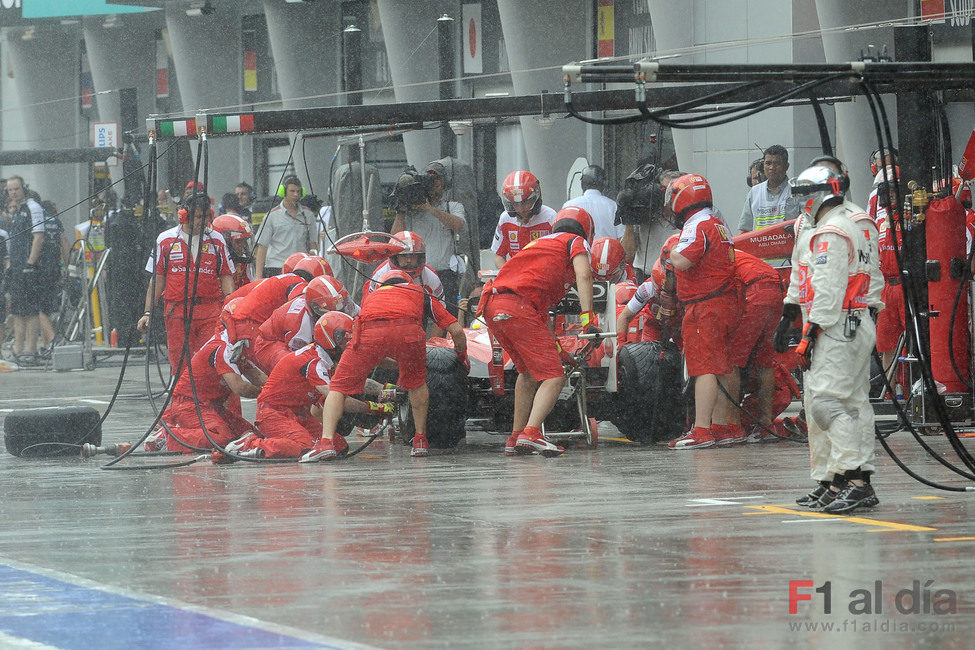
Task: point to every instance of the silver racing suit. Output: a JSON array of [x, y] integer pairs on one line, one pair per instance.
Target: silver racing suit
[[834, 264]]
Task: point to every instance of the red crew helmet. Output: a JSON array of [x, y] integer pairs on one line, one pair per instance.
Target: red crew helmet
[[414, 246], [395, 276], [325, 293], [667, 247], [575, 220], [293, 259], [232, 227], [521, 187], [333, 330], [313, 266], [688, 192], [608, 259], [658, 275], [625, 290]]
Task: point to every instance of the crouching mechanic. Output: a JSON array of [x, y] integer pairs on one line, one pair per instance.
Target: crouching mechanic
[[219, 379], [657, 297], [515, 306], [391, 324], [830, 286], [291, 326], [289, 406]]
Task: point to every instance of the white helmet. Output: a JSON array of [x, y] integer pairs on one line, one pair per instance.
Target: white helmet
[[818, 185]]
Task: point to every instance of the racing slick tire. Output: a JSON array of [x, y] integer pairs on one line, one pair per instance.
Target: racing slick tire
[[649, 402], [53, 431], [447, 414]]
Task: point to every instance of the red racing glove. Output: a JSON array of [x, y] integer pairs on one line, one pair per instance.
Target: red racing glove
[[805, 348]]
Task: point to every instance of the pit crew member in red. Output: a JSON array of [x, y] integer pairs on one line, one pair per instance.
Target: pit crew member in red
[[391, 324], [655, 299], [289, 406], [192, 277], [291, 326], [890, 322], [703, 261], [237, 233], [259, 299], [752, 337], [515, 306], [830, 286], [413, 261], [525, 217], [218, 377]]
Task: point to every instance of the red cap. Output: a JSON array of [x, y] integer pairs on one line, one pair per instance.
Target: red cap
[[196, 185]]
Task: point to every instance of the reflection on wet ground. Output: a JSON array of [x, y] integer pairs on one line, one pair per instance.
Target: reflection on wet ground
[[626, 546]]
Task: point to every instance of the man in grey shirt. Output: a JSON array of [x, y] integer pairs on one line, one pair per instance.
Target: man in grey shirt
[[771, 201], [437, 222], [287, 229]]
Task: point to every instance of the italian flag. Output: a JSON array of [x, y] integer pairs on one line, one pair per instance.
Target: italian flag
[[178, 128], [233, 123]]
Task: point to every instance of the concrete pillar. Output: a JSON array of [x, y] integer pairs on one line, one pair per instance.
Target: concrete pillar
[[551, 149], [295, 30], [855, 138], [207, 60], [410, 35], [45, 72], [123, 57]]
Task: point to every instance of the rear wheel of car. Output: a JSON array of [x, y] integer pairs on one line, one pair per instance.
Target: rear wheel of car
[[447, 414], [649, 402]]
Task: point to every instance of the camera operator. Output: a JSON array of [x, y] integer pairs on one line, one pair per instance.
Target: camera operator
[[640, 210], [422, 208]]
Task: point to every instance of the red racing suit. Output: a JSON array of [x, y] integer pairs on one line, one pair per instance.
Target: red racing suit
[[219, 408], [511, 235], [763, 294], [284, 405], [425, 276], [890, 322], [259, 300], [390, 324], [709, 292], [169, 264], [516, 302]]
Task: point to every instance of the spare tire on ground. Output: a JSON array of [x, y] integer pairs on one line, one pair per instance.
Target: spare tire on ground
[[447, 415], [53, 431], [649, 405]]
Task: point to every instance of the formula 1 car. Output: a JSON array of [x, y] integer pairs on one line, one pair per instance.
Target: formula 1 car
[[636, 386]]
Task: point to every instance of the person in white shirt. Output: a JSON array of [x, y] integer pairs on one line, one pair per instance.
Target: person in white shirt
[[601, 208]]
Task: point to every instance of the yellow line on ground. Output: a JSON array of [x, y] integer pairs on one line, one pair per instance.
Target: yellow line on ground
[[954, 539], [928, 498], [857, 520], [615, 439]]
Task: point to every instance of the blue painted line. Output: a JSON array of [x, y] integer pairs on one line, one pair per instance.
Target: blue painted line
[[69, 616]]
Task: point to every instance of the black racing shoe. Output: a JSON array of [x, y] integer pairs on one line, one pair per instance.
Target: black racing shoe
[[827, 498], [813, 497], [852, 497]]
